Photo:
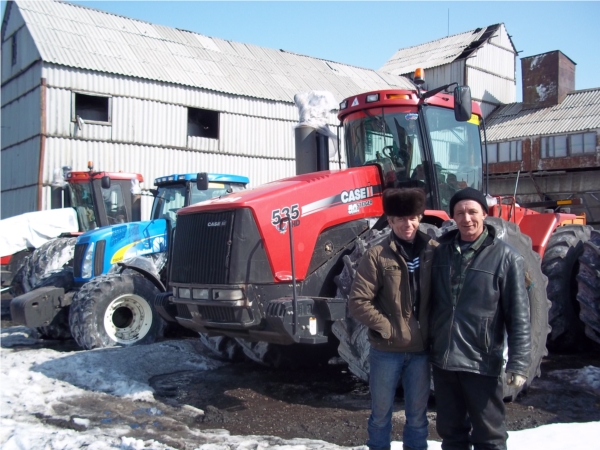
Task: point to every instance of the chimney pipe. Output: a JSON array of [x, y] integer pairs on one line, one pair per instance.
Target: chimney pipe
[[547, 79]]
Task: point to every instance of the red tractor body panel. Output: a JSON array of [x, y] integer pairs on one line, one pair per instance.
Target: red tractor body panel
[[538, 226], [314, 202]]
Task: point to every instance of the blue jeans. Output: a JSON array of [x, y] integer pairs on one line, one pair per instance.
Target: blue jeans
[[387, 369]]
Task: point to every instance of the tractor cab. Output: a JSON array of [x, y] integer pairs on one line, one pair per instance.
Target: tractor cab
[[176, 191], [418, 139], [99, 198]]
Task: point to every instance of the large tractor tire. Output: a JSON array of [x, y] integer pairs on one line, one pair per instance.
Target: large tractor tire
[[352, 335], [561, 265], [14, 266], [589, 287], [50, 257], [223, 347], [58, 329], [115, 309]]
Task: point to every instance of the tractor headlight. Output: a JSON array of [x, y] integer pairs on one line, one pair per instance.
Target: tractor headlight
[[200, 294], [88, 262], [228, 294]]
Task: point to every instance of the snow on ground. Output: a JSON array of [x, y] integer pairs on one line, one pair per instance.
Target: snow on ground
[[47, 396]]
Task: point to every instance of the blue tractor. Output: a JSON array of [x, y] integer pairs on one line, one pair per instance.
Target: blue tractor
[[107, 297]]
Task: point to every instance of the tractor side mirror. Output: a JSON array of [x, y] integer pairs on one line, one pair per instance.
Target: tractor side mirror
[[105, 182], [202, 181], [462, 103]]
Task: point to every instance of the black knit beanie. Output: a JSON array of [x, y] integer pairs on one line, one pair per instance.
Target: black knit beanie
[[468, 194]]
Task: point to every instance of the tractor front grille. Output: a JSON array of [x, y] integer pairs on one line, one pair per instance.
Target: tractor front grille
[[183, 311], [202, 247], [217, 313]]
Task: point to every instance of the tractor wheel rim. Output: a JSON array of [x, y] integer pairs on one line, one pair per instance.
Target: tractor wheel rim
[[128, 319]]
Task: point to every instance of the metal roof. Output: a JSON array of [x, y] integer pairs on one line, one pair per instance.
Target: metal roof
[[439, 52], [85, 38], [579, 111]]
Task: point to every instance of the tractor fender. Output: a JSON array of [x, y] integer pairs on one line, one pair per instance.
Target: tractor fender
[[539, 227], [145, 267]]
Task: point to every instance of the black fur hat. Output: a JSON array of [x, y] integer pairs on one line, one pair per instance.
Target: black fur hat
[[403, 202], [468, 194]]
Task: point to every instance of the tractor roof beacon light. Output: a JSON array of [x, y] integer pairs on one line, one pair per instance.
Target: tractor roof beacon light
[[419, 76], [344, 104]]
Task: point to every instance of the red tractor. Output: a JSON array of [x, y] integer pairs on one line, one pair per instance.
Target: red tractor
[[268, 270], [88, 200]]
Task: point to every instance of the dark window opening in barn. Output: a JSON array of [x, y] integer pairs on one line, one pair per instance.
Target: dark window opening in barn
[[92, 108], [203, 123], [14, 49]]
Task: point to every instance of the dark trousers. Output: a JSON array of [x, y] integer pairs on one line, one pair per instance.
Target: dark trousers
[[470, 410]]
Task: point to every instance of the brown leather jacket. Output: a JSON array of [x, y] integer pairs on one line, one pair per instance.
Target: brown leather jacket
[[380, 297]]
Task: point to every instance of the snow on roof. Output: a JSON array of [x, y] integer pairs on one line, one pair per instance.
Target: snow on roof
[[85, 38]]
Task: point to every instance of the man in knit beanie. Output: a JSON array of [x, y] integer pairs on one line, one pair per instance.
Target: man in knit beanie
[[390, 296], [478, 295]]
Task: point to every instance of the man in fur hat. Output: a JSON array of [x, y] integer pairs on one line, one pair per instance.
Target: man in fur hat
[[390, 296]]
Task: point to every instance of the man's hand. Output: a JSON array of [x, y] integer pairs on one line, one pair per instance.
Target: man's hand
[[514, 379]]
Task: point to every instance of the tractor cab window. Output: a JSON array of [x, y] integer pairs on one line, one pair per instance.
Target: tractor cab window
[[456, 152], [392, 140], [114, 202], [168, 200], [172, 197], [214, 190], [83, 202]]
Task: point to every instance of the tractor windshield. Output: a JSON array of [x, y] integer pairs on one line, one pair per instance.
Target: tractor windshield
[[393, 139], [82, 200], [172, 197], [456, 150], [114, 204]]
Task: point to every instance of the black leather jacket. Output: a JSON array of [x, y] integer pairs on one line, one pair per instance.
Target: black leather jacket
[[469, 336]]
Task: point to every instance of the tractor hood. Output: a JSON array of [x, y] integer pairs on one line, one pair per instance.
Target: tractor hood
[[313, 202], [121, 242]]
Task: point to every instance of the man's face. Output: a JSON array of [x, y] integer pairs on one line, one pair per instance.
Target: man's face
[[405, 227], [469, 215]]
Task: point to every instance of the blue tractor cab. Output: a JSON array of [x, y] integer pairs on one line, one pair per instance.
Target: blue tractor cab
[[97, 251]]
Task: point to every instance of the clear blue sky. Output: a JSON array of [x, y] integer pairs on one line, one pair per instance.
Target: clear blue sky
[[367, 34]]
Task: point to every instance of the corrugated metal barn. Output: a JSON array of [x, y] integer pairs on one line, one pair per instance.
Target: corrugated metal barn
[[483, 59], [80, 84]]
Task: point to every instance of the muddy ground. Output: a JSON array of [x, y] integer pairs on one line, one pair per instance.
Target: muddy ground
[[329, 403], [326, 402]]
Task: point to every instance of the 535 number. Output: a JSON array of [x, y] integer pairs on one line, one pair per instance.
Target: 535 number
[[293, 212]]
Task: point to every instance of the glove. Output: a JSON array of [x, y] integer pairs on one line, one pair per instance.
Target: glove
[[514, 379]]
